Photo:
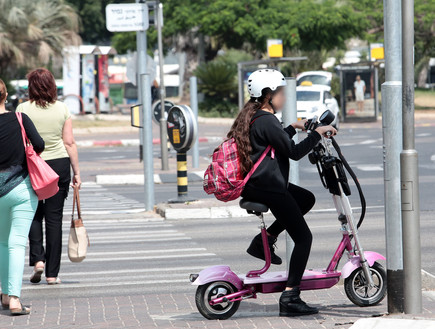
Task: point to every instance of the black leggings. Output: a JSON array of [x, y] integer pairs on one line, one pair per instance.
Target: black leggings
[[289, 209]]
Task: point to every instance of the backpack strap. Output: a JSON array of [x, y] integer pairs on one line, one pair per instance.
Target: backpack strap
[[251, 172]]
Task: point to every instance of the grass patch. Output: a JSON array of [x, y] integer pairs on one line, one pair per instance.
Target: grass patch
[[424, 99], [99, 123], [215, 114]]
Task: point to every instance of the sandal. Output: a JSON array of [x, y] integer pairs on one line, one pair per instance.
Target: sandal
[[36, 275], [20, 311], [4, 306], [55, 281]]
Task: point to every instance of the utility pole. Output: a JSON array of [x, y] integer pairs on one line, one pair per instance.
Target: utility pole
[[141, 50], [289, 115], [194, 107], [392, 135], [409, 171], [147, 131], [163, 124]]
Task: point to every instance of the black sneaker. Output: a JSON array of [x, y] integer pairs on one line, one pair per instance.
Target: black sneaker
[[291, 304], [256, 249]]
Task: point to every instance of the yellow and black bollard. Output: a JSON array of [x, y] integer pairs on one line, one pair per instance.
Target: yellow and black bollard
[[182, 174]]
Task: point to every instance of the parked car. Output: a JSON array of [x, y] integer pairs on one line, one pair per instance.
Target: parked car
[[315, 77], [313, 100]]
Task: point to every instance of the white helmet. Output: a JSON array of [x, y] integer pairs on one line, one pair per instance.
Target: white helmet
[[264, 78]]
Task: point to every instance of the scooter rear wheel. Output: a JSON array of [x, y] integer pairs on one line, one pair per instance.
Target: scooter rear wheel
[[205, 293], [356, 289]]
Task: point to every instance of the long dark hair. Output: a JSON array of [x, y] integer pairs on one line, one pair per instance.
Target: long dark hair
[[240, 129]]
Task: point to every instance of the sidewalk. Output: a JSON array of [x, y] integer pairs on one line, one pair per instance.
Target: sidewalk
[[178, 310]]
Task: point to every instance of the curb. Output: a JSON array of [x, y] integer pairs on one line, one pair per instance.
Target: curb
[[138, 179], [382, 323], [136, 142], [169, 213]]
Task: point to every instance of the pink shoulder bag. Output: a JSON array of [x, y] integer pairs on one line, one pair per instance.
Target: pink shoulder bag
[[44, 179]]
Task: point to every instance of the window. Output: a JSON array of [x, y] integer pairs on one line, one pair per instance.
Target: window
[[315, 79], [307, 96]]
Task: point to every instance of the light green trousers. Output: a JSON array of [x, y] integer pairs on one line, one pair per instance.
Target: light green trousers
[[17, 209]]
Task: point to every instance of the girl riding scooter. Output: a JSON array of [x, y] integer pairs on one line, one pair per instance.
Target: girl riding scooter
[[255, 128]]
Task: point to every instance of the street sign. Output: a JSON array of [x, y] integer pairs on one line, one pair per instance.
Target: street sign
[[127, 17], [182, 127], [157, 108], [274, 48]]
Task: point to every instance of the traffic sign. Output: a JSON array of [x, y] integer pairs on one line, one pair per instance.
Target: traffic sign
[[127, 17], [182, 127]]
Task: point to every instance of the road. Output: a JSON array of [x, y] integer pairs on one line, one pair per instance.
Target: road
[[130, 255]]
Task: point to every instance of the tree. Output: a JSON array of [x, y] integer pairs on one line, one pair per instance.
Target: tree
[[93, 20], [31, 33]]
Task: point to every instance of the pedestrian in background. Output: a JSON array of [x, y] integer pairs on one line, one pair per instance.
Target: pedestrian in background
[[359, 87], [18, 203], [53, 121]]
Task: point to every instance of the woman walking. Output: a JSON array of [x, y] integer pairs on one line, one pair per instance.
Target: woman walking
[[18, 203], [53, 121]]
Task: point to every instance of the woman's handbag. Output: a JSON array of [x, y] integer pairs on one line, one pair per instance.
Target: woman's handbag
[[78, 240], [44, 179]]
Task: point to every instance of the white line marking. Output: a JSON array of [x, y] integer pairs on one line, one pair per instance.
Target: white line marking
[[93, 242], [111, 241], [353, 208], [91, 259], [121, 271], [370, 167]]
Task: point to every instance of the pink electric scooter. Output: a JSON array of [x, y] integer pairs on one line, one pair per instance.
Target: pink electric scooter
[[220, 290]]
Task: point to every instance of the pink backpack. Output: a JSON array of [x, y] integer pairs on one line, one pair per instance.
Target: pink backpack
[[223, 177]]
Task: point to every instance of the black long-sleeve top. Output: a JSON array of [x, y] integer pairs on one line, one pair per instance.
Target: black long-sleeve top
[[273, 173], [13, 165]]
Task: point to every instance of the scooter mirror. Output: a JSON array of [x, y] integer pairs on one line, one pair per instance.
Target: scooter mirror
[[327, 117]]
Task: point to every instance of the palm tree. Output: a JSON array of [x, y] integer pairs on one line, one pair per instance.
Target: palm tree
[[33, 32]]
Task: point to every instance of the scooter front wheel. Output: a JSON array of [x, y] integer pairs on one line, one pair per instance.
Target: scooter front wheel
[[205, 293], [357, 290]]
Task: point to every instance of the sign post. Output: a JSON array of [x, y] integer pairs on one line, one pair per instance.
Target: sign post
[[134, 17]]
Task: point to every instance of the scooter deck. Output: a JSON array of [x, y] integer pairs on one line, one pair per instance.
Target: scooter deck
[[312, 279]]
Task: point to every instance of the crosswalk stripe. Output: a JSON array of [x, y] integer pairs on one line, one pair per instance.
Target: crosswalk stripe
[[180, 238], [145, 270], [90, 258], [126, 252]]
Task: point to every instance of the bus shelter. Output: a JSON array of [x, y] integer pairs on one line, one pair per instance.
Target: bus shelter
[[359, 92]]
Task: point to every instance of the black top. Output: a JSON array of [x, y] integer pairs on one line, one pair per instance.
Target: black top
[[13, 163], [11, 141], [272, 174]]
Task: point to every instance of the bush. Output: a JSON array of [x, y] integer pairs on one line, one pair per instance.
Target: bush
[[218, 82]]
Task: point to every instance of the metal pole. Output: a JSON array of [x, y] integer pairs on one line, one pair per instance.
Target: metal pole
[[409, 171], [241, 86], [148, 163], [141, 47], [163, 124], [194, 107], [392, 134], [289, 115]]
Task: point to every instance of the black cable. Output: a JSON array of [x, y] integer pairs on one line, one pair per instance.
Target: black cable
[[355, 179]]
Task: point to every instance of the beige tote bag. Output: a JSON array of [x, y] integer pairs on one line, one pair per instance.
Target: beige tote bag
[[78, 241]]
